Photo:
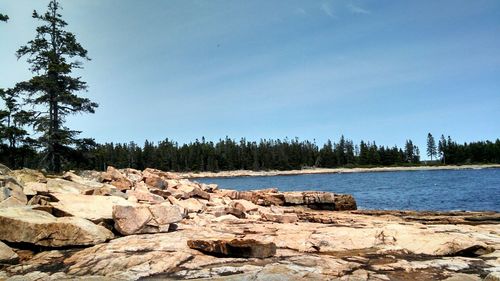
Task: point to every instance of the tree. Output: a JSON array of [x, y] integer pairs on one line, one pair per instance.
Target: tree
[[431, 146], [442, 149], [53, 55], [14, 138], [4, 17]]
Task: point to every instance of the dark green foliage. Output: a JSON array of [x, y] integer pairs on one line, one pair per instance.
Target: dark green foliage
[[15, 145], [228, 154], [4, 17], [52, 56], [467, 153], [431, 146]]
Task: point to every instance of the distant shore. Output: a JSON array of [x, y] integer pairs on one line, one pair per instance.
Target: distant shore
[[249, 173]]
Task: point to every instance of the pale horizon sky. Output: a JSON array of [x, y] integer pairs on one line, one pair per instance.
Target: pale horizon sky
[[372, 70]]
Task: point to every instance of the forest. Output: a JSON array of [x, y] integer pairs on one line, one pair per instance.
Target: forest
[[34, 132]]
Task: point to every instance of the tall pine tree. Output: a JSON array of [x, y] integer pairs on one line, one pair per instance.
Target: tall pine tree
[[431, 146], [53, 55]]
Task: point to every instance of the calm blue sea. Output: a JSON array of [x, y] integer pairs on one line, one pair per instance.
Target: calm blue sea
[[446, 190]]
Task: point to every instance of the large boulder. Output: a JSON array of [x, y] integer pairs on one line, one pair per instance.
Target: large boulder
[[154, 180], [23, 224], [116, 178], [244, 205], [66, 186], [145, 219], [345, 202], [28, 175], [70, 176], [92, 207], [146, 196], [190, 205], [238, 248], [191, 189]]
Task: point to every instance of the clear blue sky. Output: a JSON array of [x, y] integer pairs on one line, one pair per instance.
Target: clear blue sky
[[373, 70]]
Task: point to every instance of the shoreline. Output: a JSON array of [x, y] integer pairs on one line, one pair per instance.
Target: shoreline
[[250, 173], [151, 224]]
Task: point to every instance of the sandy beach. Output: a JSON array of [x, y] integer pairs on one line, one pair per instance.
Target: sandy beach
[[249, 173]]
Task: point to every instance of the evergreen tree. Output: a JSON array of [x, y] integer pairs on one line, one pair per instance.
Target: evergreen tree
[[4, 17], [409, 151], [431, 146], [442, 148], [15, 140], [53, 55]]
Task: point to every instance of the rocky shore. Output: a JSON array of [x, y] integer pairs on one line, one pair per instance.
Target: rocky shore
[[154, 225], [249, 173]]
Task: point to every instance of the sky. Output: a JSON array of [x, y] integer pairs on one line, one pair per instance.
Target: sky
[[374, 70]]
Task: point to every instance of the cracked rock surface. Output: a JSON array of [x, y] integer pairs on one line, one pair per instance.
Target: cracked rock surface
[[153, 225]]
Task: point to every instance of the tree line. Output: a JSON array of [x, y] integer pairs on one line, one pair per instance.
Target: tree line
[[229, 154]]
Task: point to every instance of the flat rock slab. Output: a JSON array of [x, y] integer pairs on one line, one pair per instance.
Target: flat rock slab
[[23, 224], [237, 248], [91, 207]]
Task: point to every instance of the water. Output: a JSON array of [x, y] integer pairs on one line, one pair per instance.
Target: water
[[445, 190]]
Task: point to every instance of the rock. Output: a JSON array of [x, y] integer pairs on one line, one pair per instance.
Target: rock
[[244, 205], [191, 190], [160, 192], [493, 276], [116, 178], [154, 180], [345, 202], [133, 175], [23, 224], [239, 248], [463, 277], [319, 200], [11, 193], [265, 197], [294, 198], [92, 207], [209, 187], [41, 200], [28, 175], [70, 176], [11, 202], [226, 210], [166, 214], [145, 219], [162, 174], [4, 170], [146, 196], [191, 205], [131, 257], [279, 217], [65, 186], [33, 188], [6, 254], [107, 190]]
